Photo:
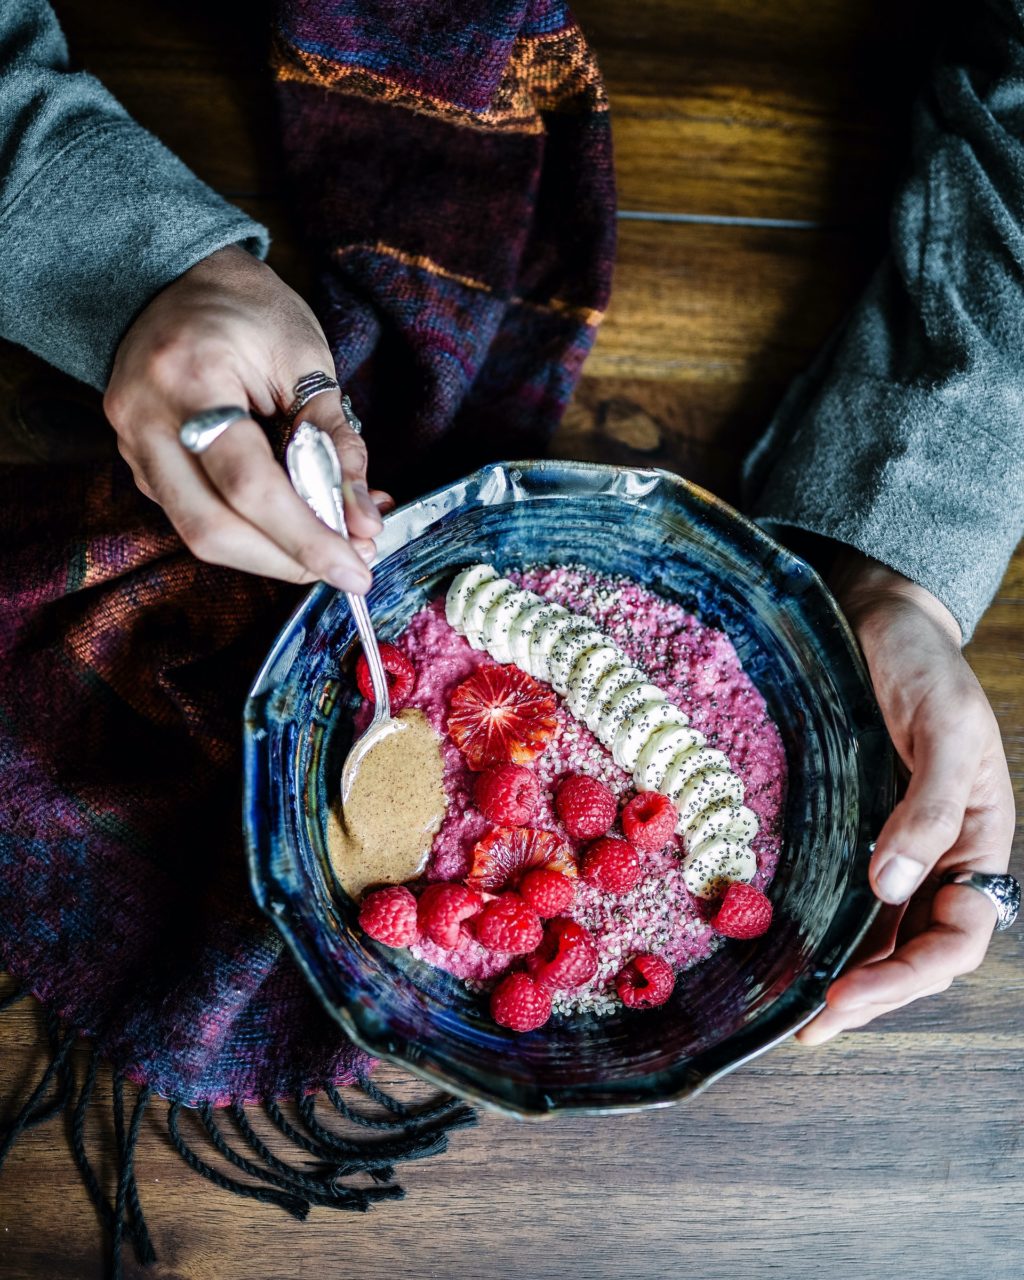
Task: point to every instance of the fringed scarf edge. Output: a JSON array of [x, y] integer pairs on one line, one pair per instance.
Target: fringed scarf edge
[[401, 1133]]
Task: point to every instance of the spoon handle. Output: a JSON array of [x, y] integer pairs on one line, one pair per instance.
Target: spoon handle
[[315, 471]]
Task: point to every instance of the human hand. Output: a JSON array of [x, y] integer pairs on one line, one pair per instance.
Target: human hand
[[230, 331], [958, 811]]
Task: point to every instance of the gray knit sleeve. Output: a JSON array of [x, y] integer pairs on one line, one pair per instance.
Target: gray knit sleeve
[[96, 215], [906, 439]]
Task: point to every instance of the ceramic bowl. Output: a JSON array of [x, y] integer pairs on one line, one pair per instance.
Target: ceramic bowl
[[690, 547]]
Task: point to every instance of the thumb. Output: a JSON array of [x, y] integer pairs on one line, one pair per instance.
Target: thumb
[[927, 821]]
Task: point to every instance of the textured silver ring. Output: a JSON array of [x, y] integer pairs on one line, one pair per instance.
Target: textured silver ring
[[199, 432], [308, 386], [1002, 891], [354, 425]]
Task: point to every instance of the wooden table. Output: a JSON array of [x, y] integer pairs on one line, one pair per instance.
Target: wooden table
[[755, 143]]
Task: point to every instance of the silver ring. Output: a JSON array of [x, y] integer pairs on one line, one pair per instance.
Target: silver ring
[[308, 386], [1002, 891], [353, 423], [199, 432]]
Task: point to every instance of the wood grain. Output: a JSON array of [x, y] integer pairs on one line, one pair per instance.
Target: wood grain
[[877, 1151], [785, 110], [893, 1151]]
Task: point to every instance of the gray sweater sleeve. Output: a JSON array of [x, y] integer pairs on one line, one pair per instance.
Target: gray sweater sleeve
[[96, 215], [906, 439]]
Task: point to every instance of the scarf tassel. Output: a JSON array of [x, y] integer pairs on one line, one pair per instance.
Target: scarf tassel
[[401, 1133]]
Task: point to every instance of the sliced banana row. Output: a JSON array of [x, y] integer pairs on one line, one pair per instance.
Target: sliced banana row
[[647, 736]]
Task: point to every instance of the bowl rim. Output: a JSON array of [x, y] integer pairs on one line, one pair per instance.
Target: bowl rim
[[794, 1008]]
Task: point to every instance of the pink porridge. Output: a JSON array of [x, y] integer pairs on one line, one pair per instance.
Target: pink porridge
[[697, 668]]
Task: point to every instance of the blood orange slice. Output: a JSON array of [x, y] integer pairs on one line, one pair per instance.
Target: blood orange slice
[[501, 715], [501, 857]]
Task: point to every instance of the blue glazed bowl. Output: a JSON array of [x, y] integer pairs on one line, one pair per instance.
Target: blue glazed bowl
[[690, 547]]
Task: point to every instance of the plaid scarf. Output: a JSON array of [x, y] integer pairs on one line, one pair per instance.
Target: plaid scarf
[[455, 170]]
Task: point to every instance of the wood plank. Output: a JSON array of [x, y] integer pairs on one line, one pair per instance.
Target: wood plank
[[725, 304], [783, 110], [778, 111], [740, 1182]]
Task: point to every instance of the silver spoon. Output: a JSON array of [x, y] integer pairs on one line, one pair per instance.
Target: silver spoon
[[315, 471]]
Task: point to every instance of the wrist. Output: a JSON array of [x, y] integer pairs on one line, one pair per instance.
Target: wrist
[[868, 592]]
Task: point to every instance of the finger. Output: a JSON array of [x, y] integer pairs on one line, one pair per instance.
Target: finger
[[241, 467], [361, 513], [954, 943], [944, 933], [383, 501], [210, 530], [833, 1021], [928, 820]]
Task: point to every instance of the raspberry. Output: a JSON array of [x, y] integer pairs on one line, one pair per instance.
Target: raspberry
[[645, 982], [566, 958], [611, 865], [649, 821], [507, 795], [520, 1003], [745, 912], [389, 915], [548, 892], [509, 924], [401, 674], [586, 807], [442, 908]]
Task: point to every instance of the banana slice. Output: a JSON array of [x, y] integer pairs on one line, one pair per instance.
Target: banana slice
[[588, 668], [658, 752], [704, 790], [542, 641], [624, 702], [721, 862], [567, 648], [479, 601], [618, 674], [727, 820], [688, 763], [463, 585], [498, 622], [522, 628], [637, 727], [646, 734]]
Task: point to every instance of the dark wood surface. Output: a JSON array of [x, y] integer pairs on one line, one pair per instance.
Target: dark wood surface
[[893, 1151]]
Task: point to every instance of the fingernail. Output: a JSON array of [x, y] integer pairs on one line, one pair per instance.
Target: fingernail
[[365, 551], [898, 879]]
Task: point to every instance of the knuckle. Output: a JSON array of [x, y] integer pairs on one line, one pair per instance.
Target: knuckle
[[939, 815], [186, 360], [978, 719], [315, 558], [245, 487], [300, 575], [353, 450], [167, 357], [114, 404], [973, 957], [204, 537]]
